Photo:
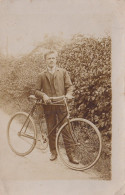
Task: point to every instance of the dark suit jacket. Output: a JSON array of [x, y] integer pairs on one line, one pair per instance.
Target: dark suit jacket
[[62, 83]]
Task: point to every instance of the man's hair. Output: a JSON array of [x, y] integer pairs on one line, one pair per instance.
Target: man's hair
[[50, 52]]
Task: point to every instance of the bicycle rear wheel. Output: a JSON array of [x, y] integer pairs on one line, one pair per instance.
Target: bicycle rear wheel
[[21, 133], [83, 143]]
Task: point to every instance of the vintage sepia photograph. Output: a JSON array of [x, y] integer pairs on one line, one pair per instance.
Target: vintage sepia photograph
[[56, 92]]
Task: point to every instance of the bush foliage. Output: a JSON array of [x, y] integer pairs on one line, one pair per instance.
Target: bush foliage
[[88, 61]]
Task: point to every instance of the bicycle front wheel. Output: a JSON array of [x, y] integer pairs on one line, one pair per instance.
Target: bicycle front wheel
[[21, 133], [81, 141]]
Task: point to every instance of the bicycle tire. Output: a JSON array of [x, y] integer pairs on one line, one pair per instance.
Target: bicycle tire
[[21, 143], [83, 142]]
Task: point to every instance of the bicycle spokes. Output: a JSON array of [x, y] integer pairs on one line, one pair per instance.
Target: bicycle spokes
[[82, 141]]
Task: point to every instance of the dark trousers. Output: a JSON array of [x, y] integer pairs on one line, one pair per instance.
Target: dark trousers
[[56, 113]]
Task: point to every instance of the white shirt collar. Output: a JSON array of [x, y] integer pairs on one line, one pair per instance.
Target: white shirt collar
[[51, 70]]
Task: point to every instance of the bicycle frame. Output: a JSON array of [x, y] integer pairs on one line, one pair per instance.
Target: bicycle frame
[[57, 125], [38, 102], [77, 137]]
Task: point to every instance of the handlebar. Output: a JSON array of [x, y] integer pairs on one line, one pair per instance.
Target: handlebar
[[59, 98], [55, 100], [33, 97]]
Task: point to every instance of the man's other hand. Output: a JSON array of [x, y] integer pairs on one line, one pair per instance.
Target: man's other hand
[[69, 97], [46, 99]]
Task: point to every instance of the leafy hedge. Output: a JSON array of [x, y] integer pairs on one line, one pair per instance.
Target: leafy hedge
[[88, 61]]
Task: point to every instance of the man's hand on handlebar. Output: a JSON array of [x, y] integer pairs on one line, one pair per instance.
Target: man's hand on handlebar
[[49, 100], [46, 99], [69, 97]]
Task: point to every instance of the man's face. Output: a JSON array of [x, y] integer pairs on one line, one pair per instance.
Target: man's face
[[51, 60]]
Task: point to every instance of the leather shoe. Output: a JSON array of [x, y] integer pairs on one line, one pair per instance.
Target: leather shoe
[[53, 156], [73, 160]]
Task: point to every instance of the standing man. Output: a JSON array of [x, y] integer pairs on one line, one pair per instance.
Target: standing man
[[54, 82]]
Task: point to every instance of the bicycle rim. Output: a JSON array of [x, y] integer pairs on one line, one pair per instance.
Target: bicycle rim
[[82, 142], [21, 133]]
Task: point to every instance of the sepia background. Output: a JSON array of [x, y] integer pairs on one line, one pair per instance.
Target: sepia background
[[89, 36]]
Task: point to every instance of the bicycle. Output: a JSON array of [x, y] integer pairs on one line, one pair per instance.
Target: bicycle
[[84, 139]]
